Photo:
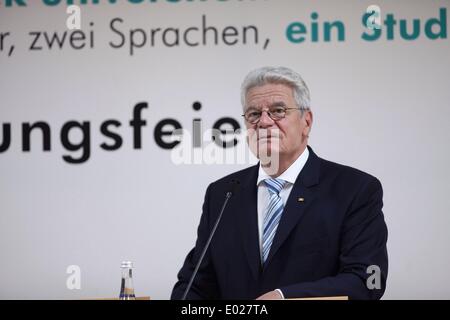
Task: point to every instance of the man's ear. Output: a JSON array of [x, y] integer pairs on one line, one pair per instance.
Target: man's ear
[[308, 118]]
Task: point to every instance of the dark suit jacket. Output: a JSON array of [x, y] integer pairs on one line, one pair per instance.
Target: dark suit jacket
[[323, 246]]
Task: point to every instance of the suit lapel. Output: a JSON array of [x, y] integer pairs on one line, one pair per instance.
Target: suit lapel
[[247, 219], [295, 208]]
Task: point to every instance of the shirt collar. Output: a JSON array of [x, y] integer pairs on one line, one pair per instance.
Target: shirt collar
[[291, 173]]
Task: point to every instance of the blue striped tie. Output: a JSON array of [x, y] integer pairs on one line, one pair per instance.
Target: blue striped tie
[[273, 215]]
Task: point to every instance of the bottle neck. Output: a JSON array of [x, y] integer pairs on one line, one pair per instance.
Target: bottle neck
[[127, 273]]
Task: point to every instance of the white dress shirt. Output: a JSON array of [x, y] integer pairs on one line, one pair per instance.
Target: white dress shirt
[[290, 175]]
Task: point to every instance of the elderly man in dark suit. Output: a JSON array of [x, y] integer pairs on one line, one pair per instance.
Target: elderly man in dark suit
[[300, 226]]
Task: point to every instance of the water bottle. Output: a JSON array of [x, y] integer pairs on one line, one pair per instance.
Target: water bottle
[[126, 287]]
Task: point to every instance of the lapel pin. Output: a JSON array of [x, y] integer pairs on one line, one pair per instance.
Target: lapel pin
[[301, 199]]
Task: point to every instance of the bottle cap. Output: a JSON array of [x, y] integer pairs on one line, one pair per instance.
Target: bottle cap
[[127, 264]]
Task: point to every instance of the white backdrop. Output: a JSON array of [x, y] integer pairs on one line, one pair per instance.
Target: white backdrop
[[381, 106]]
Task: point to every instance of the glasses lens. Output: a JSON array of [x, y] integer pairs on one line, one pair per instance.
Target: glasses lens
[[252, 116], [277, 113]]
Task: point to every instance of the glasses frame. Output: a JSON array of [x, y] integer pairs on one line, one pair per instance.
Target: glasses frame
[[270, 115]]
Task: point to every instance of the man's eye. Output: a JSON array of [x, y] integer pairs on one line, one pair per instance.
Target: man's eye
[[253, 114], [279, 110]]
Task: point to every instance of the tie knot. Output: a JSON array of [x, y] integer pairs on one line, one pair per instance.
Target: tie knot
[[274, 185]]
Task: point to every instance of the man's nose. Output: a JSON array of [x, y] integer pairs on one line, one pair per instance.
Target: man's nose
[[265, 121]]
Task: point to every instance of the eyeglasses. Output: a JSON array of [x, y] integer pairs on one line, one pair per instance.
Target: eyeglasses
[[275, 113]]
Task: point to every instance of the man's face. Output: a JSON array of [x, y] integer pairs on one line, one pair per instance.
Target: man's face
[[286, 137]]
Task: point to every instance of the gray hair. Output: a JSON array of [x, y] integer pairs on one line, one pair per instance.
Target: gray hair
[[277, 75]]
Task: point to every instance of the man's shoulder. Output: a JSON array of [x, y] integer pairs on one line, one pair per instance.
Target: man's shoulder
[[341, 172], [240, 176]]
